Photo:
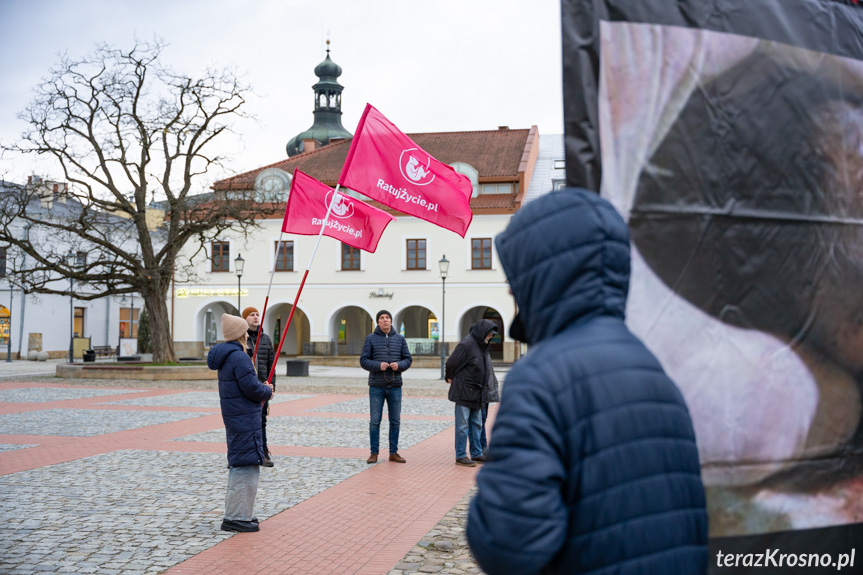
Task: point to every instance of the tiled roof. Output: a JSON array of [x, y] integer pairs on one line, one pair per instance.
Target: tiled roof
[[493, 153]]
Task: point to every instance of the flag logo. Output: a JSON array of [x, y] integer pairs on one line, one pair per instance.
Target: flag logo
[[342, 208], [412, 170]]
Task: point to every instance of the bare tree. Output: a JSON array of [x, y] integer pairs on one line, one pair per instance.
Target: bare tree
[[126, 132]]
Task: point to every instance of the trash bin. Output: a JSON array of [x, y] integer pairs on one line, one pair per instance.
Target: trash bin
[[298, 368], [89, 355]]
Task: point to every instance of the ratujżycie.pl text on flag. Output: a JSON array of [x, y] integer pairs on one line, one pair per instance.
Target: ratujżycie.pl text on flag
[[351, 221], [387, 166]]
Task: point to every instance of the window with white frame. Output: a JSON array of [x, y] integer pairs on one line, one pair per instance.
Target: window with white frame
[[221, 257], [350, 258], [416, 254], [285, 257], [480, 253], [497, 188]]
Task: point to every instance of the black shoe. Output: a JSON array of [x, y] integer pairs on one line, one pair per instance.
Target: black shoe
[[465, 461], [267, 461], [240, 526], [479, 459]]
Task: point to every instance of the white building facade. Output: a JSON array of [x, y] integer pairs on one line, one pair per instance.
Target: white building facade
[[54, 323], [345, 289]]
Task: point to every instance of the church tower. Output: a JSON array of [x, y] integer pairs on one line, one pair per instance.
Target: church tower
[[328, 111]]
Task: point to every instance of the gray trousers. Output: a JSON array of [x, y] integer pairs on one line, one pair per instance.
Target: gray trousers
[[242, 489]]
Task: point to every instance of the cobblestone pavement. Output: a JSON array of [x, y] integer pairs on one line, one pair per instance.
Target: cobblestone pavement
[[444, 549], [121, 510]]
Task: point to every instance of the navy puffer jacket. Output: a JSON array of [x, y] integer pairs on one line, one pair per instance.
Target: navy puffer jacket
[[385, 347], [240, 395], [593, 463]]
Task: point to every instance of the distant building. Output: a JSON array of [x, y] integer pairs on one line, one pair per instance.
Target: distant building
[[49, 322], [345, 287]]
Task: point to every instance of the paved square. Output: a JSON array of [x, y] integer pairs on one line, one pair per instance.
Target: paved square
[[203, 399], [46, 394], [334, 432], [85, 422], [137, 511], [410, 406], [8, 447]]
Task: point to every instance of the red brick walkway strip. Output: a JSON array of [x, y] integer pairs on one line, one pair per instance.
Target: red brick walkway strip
[[363, 525]]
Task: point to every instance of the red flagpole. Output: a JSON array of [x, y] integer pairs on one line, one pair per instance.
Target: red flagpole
[[287, 325], [302, 283], [266, 299]]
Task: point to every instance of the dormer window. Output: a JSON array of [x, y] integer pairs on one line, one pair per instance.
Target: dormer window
[[470, 172], [497, 188]]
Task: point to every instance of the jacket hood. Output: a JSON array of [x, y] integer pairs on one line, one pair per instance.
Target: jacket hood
[[566, 257], [219, 354], [480, 330]]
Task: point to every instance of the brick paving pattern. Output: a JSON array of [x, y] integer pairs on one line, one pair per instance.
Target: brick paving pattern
[[125, 477]]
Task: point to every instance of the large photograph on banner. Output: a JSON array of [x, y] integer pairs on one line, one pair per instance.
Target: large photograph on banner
[[738, 163]]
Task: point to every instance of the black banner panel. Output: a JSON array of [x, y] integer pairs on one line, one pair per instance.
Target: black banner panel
[[730, 136]]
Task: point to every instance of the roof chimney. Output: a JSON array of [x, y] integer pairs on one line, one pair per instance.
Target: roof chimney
[[309, 144]]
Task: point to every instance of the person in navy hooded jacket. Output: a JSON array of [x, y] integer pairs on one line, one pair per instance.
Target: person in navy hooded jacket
[[594, 467], [241, 396]]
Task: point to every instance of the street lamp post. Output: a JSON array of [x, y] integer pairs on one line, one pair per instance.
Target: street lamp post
[[238, 267], [9, 337], [120, 333], [444, 268], [70, 259]]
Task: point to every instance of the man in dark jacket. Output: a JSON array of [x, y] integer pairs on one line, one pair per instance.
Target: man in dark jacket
[[469, 372], [265, 360], [594, 466], [240, 396], [385, 356]]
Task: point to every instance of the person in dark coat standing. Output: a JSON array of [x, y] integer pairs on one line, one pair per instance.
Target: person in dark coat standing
[[240, 396], [594, 466], [266, 359], [385, 356], [470, 373]]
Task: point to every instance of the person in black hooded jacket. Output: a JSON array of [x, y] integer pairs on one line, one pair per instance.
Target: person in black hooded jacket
[[470, 373], [594, 466], [265, 360]]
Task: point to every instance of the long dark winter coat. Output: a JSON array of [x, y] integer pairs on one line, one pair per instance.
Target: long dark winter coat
[[266, 354], [594, 467], [470, 368], [385, 347], [240, 395]]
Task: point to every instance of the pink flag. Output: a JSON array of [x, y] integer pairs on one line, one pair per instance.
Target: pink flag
[[351, 221], [387, 166]]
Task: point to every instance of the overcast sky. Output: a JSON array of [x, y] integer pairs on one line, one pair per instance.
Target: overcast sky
[[441, 65]]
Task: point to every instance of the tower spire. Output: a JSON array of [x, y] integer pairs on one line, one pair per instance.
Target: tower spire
[[328, 109]]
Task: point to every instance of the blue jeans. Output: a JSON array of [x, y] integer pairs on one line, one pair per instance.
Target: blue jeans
[[468, 422], [393, 397], [483, 442]]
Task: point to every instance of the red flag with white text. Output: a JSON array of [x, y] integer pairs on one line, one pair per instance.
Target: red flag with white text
[[386, 165], [351, 221]]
